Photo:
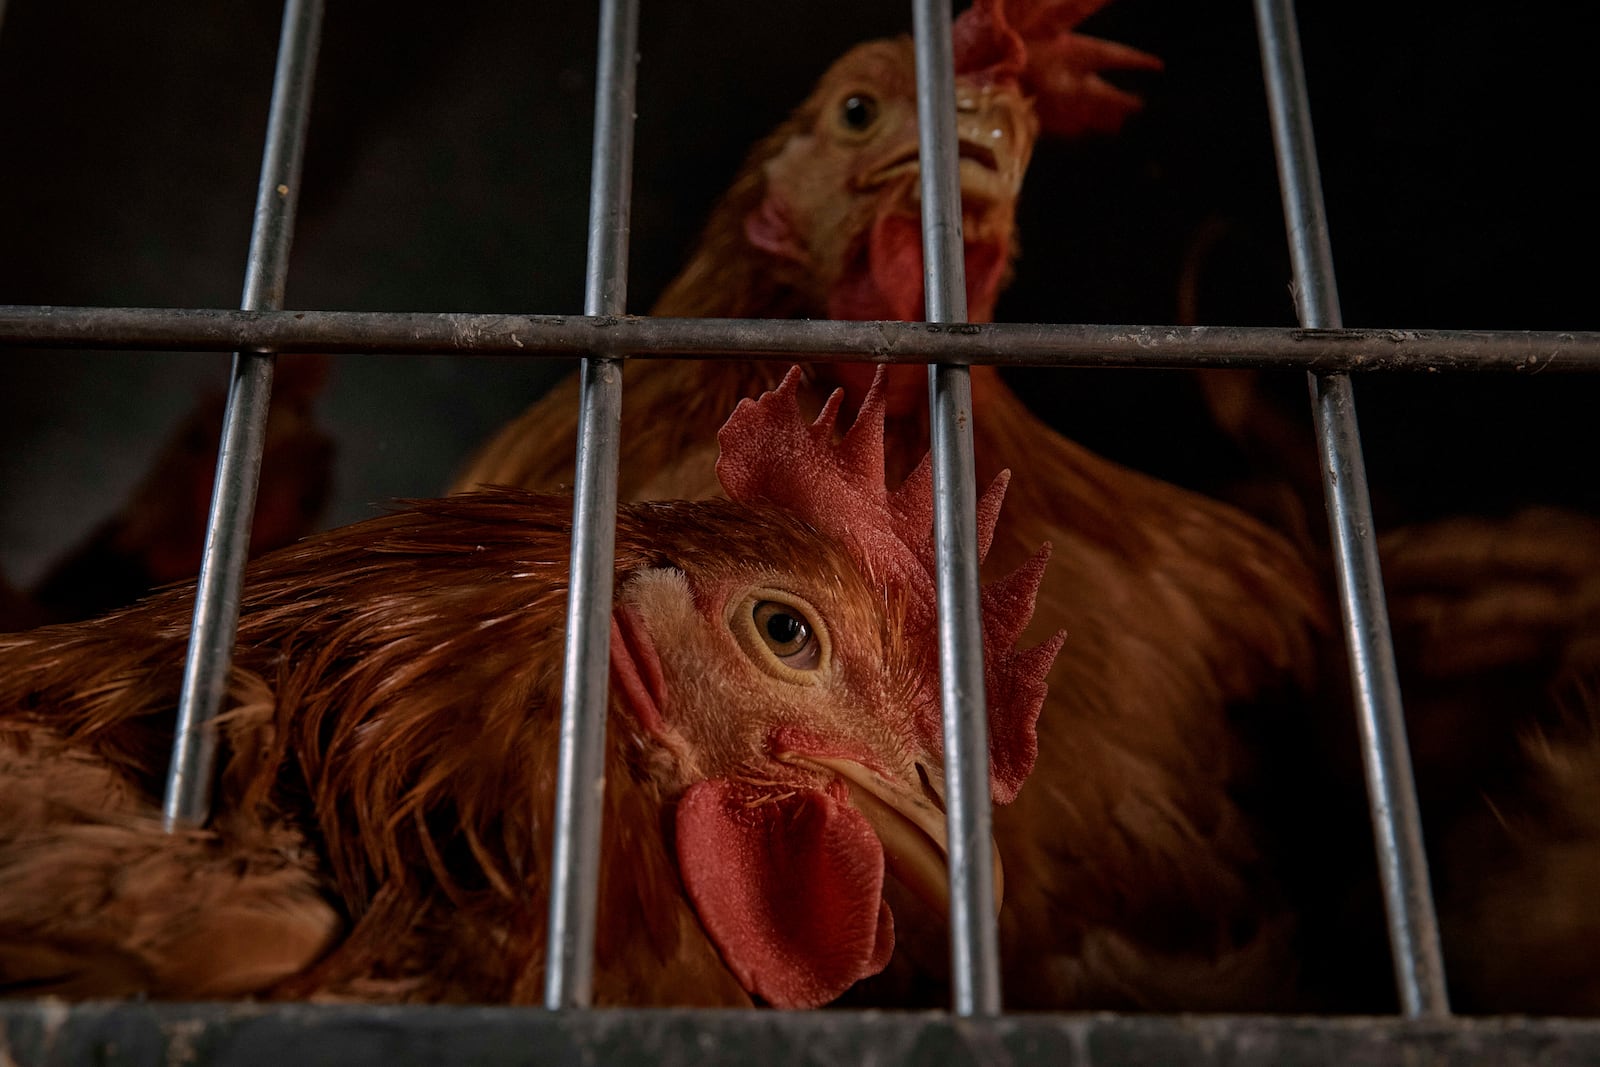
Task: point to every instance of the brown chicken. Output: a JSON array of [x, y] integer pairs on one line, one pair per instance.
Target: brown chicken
[[1497, 625], [1142, 879], [383, 822]]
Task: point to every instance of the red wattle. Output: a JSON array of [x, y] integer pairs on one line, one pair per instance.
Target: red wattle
[[885, 283], [789, 888], [636, 670]]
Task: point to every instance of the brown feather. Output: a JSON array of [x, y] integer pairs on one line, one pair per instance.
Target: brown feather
[[388, 773]]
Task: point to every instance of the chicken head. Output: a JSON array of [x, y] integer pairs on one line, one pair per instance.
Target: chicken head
[[794, 703], [840, 204]]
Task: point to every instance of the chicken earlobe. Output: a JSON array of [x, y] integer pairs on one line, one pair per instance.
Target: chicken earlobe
[[636, 668]]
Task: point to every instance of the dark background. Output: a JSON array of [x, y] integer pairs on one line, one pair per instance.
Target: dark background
[[447, 170]]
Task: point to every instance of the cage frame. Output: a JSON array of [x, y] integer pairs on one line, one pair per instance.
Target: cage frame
[[606, 337]]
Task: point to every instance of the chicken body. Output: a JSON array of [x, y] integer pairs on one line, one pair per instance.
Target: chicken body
[[1497, 624], [1137, 879], [383, 823], [396, 776]]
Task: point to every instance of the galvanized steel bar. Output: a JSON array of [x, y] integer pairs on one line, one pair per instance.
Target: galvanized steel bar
[[233, 495], [575, 865], [1397, 824], [974, 940], [1004, 344]]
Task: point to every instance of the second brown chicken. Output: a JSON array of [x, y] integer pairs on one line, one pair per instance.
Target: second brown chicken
[[1136, 875]]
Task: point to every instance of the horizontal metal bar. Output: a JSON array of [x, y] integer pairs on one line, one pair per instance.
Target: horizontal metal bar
[[50, 1033], [1006, 344]]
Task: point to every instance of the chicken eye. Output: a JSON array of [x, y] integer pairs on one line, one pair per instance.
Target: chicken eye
[[787, 633], [859, 112], [781, 634]]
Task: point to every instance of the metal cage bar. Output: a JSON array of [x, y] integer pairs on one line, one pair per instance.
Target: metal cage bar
[[1396, 821], [580, 783], [974, 936], [233, 495], [1323, 348], [153, 1034], [999, 343]]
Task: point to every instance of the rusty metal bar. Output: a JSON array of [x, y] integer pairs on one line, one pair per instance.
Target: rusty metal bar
[[1396, 821]]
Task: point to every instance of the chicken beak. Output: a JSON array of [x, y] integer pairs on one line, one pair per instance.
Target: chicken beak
[[910, 826], [993, 145], [933, 784]]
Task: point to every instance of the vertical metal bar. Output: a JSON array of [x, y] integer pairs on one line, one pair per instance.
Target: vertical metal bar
[[974, 940], [575, 865], [233, 495], [1397, 824]]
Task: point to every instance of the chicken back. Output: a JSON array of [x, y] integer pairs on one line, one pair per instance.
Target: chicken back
[[383, 822]]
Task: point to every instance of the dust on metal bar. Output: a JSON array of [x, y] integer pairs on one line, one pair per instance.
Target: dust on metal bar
[[233, 496], [137, 1033], [974, 939], [1005, 343], [575, 864], [1397, 824]]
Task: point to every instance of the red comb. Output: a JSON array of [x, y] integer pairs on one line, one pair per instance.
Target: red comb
[[771, 455], [1031, 42]]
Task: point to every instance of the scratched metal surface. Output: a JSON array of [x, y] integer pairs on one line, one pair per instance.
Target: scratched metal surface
[[51, 1034]]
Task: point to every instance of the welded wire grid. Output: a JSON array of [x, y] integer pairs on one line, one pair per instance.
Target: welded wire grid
[[1323, 348]]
